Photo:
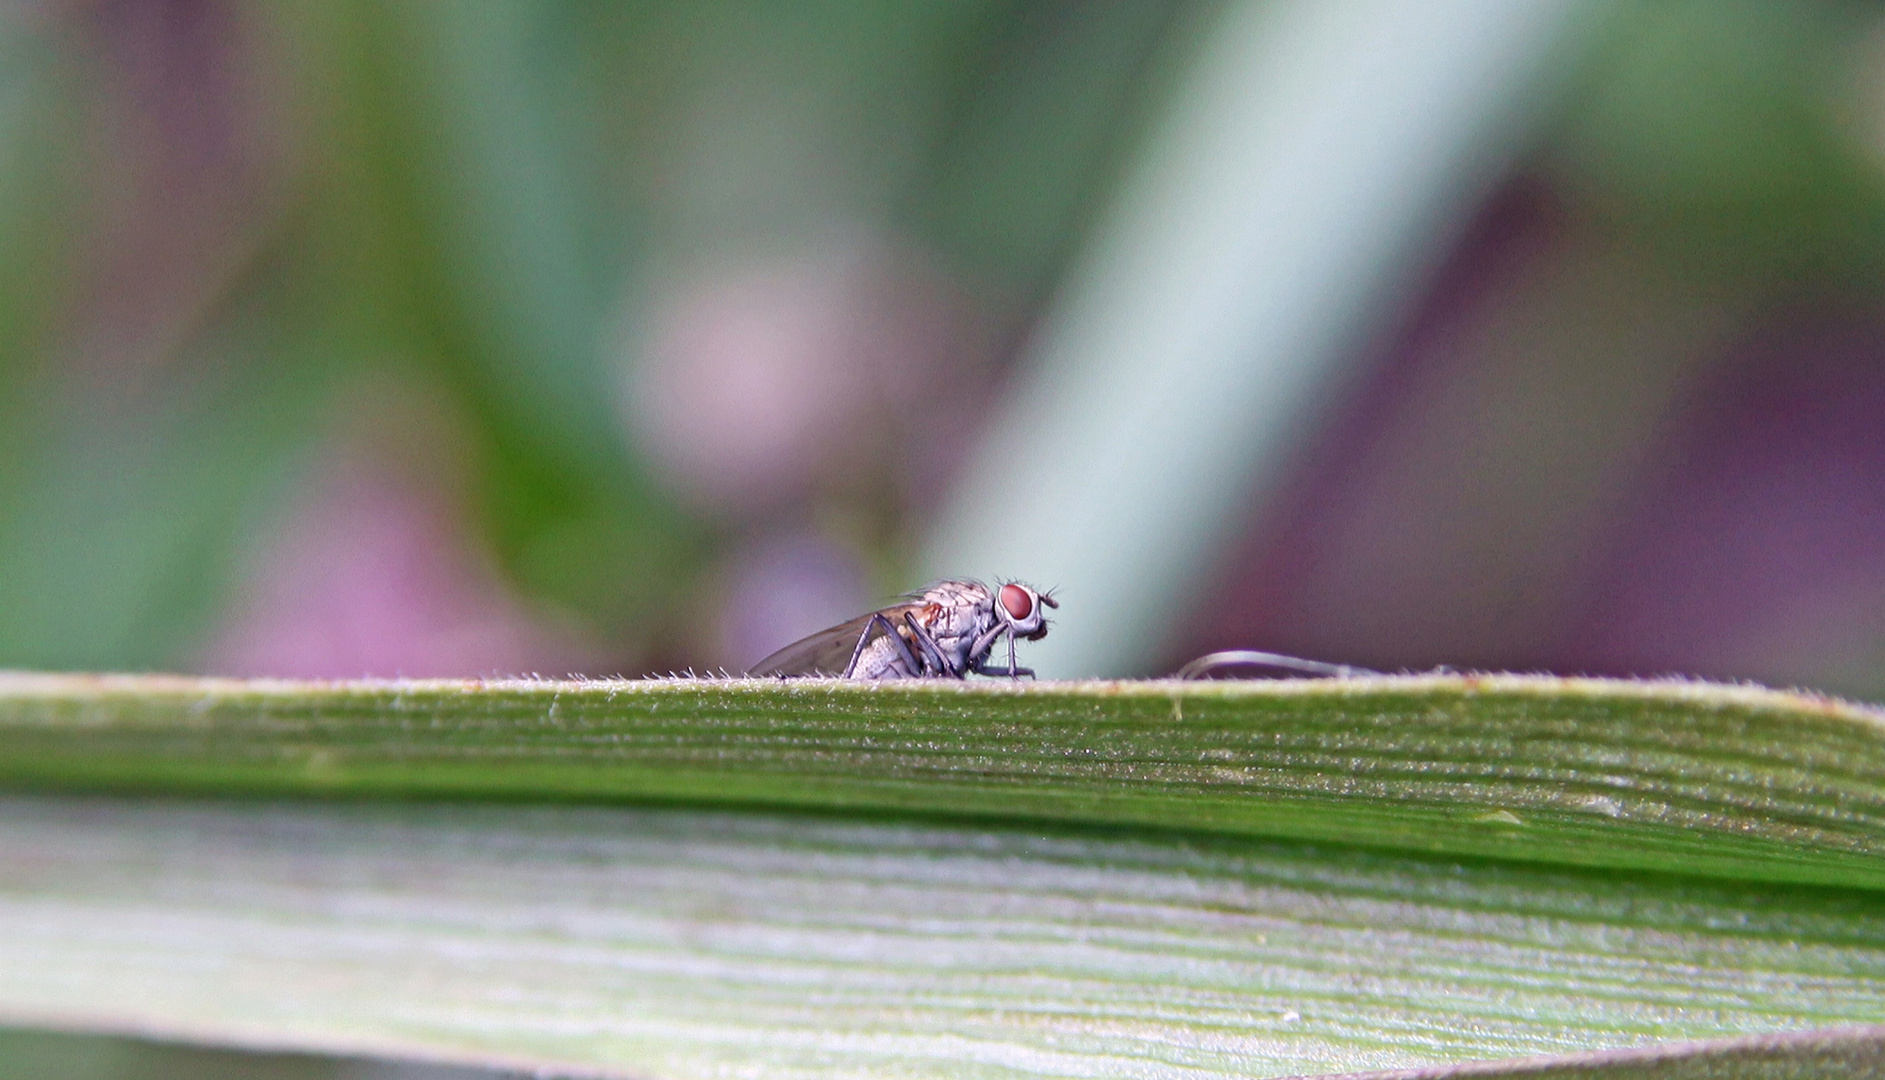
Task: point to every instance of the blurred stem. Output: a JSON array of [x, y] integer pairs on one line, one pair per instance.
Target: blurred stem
[[1316, 161]]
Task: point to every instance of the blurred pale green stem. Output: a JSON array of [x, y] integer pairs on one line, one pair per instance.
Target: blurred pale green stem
[[1317, 159]]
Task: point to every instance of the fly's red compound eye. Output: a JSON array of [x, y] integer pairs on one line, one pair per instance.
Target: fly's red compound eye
[[1017, 601]]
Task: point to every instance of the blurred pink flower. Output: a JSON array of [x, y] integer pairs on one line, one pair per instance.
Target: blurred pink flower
[[766, 379], [372, 574]]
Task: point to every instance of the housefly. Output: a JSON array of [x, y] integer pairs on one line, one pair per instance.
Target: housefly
[[947, 631]]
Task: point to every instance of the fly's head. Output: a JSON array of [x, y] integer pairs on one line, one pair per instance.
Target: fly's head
[[1024, 610]]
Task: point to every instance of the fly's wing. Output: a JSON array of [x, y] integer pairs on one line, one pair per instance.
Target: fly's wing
[[828, 651]]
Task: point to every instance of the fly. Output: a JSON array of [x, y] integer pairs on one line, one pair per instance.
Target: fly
[[947, 631]]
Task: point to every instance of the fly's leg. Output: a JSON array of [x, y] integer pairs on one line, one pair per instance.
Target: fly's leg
[[858, 652], [978, 650], [932, 654], [981, 666], [911, 663], [1011, 671], [877, 622]]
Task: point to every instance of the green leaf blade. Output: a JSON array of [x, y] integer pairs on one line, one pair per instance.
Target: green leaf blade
[[829, 879], [1681, 777]]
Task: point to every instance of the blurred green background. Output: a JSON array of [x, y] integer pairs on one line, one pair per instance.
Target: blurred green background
[[323, 326], [438, 339]]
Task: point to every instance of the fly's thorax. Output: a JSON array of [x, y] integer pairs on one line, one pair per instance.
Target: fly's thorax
[[955, 614]]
